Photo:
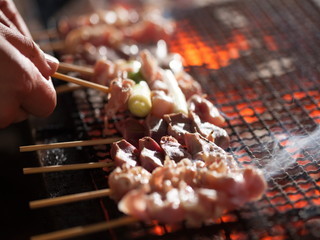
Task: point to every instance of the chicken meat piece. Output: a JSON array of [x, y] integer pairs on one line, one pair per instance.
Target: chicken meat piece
[[205, 110], [151, 154], [104, 72], [208, 152], [152, 26], [188, 84], [156, 127], [161, 103], [97, 35], [178, 125], [125, 178], [132, 130], [120, 92], [173, 149], [192, 191], [122, 152], [211, 132], [149, 67]]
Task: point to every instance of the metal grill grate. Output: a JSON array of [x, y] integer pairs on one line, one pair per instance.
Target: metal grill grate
[[259, 62]]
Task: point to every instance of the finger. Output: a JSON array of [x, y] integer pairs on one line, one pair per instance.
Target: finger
[[52, 61], [40, 99], [11, 12], [22, 87], [29, 49], [5, 21]]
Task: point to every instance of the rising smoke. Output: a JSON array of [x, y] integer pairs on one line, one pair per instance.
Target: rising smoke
[[285, 156]]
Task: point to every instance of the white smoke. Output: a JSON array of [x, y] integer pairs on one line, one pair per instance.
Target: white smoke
[[284, 157]]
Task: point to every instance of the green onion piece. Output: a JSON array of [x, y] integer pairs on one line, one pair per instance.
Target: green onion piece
[[139, 103]]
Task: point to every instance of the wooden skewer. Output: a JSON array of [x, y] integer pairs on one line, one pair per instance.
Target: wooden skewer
[[68, 67], [81, 82], [84, 230], [68, 167], [67, 88], [69, 198], [69, 144]]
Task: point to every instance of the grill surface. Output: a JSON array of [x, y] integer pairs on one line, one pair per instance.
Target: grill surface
[[259, 62]]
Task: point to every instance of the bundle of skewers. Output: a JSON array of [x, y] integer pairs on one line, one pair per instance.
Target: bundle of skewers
[[170, 164]]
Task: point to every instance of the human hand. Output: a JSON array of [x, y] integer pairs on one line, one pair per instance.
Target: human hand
[[25, 83], [12, 18]]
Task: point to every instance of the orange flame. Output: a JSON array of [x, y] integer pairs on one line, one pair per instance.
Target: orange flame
[[196, 52]]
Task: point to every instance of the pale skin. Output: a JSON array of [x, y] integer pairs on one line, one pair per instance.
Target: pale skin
[[25, 84]]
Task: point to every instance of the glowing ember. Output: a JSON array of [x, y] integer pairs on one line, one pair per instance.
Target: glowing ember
[[197, 52], [228, 218], [238, 236], [299, 95], [158, 230], [275, 238], [270, 43]]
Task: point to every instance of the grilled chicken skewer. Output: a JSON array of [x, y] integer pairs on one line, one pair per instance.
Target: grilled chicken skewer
[[139, 178]]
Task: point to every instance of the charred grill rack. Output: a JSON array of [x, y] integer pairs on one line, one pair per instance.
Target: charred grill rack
[[259, 63]]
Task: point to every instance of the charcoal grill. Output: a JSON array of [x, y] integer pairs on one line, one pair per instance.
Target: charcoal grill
[[259, 62]]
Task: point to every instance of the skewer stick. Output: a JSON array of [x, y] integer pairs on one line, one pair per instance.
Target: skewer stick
[[69, 144], [81, 82], [67, 88], [69, 198], [68, 167], [68, 67], [84, 230]]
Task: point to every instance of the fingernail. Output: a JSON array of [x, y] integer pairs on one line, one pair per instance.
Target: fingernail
[[52, 62]]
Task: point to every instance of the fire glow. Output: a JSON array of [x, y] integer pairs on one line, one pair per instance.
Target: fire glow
[[197, 52]]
